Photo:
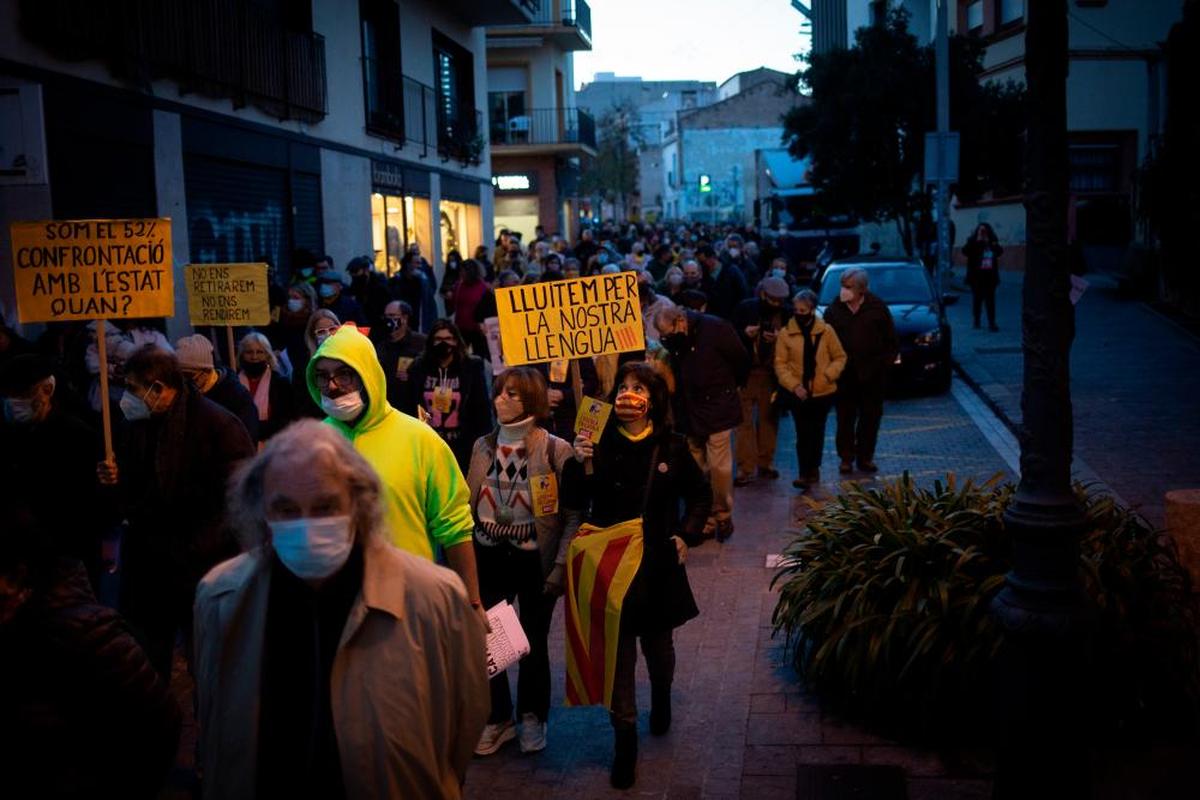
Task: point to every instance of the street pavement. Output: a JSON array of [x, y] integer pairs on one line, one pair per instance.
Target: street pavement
[[1135, 387], [742, 724]]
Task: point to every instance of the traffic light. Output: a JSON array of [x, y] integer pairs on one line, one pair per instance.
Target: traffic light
[[705, 183]]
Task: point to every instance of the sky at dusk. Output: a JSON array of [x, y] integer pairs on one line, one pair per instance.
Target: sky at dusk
[[706, 40]]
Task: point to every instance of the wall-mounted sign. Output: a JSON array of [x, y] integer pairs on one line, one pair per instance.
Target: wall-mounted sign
[[516, 183], [386, 176]]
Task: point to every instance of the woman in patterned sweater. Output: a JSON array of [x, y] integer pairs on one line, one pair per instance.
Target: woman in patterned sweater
[[521, 539]]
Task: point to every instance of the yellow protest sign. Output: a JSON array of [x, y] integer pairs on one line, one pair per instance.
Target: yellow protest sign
[[92, 269], [591, 418], [228, 294], [577, 318]]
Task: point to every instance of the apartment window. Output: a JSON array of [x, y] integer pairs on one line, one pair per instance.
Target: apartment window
[[454, 80], [382, 82], [975, 16], [507, 118], [1095, 167], [1011, 12]]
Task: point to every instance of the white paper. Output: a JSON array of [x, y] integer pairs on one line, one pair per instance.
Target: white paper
[[507, 643]]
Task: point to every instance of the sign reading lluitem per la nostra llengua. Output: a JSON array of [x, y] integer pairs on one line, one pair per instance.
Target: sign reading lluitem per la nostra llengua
[[228, 294], [92, 269], [577, 318]]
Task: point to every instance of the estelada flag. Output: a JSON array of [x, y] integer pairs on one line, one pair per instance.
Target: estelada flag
[[601, 564]]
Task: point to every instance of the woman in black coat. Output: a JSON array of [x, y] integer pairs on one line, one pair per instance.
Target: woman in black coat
[[982, 251], [643, 469], [450, 387]]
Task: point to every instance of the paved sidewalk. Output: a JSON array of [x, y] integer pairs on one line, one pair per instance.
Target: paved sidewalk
[[1135, 385], [741, 723]]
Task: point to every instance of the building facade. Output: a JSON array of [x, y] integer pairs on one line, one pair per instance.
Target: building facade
[[653, 105], [539, 136], [719, 142], [265, 130]]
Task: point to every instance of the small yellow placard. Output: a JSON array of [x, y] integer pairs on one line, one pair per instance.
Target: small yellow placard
[[577, 318], [591, 418], [228, 294], [92, 269], [544, 492]]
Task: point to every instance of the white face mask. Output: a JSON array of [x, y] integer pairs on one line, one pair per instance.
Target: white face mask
[[345, 408], [295, 304], [133, 407], [312, 548], [846, 295], [734, 252]]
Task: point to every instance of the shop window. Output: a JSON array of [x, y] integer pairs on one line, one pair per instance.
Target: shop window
[[397, 221], [517, 214], [461, 227]]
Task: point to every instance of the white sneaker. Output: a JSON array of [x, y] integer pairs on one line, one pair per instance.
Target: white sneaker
[[533, 734], [494, 736]]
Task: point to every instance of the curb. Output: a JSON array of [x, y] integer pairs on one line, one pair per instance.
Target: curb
[[987, 400]]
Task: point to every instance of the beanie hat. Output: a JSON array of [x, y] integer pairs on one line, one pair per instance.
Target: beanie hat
[[194, 352], [775, 288]]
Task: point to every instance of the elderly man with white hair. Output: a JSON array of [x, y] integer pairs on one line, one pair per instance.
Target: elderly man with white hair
[[328, 662]]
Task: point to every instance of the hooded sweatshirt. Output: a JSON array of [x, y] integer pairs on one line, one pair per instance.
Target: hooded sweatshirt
[[425, 496]]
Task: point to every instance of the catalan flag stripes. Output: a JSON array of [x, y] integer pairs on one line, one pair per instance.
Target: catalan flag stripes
[[601, 565]]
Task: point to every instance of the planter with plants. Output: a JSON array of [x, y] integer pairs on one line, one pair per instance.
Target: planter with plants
[[884, 597]]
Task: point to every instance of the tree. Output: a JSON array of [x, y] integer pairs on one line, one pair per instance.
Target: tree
[[871, 107], [613, 173]]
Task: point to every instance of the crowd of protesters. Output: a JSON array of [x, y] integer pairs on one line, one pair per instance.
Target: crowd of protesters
[[294, 559]]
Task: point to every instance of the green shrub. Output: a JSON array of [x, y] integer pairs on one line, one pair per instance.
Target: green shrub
[[884, 601]]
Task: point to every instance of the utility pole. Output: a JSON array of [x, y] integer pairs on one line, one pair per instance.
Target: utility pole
[[942, 67], [1046, 615]]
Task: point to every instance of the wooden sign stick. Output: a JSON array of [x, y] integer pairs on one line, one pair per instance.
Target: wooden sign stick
[[577, 389], [105, 411], [232, 349]]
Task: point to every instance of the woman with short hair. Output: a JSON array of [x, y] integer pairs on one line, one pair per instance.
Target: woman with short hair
[[522, 533], [258, 371]]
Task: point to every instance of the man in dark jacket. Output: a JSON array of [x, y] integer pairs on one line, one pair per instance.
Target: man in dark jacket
[[736, 255], [332, 294], [170, 478], [40, 438], [710, 364], [397, 349], [758, 322], [368, 288], [195, 356], [725, 285], [85, 714], [863, 324]]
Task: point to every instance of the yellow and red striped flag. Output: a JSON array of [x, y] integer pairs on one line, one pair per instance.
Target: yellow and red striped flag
[[601, 564]]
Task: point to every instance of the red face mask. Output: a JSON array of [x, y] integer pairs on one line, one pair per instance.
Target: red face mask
[[631, 406]]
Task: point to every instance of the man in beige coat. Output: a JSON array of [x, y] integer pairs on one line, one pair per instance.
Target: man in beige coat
[[329, 663]]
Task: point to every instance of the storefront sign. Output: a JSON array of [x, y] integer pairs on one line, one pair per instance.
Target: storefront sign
[[516, 183], [577, 318], [228, 294], [93, 269], [386, 176]]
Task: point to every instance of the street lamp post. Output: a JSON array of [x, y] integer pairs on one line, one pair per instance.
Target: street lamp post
[[1043, 608]]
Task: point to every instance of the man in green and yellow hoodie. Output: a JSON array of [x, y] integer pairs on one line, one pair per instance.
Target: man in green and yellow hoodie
[[425, 497]]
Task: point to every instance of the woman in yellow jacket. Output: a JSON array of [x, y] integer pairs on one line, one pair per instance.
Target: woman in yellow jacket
[[809, 359]]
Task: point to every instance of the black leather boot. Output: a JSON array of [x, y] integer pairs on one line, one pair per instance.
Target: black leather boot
[[660, 709], [624, 766]]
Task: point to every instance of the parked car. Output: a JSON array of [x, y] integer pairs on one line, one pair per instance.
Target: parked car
[[919, 313]]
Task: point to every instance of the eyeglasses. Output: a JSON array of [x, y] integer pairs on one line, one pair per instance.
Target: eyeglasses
[[343, 376]]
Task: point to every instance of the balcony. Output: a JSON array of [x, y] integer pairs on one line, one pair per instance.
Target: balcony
[[218, 48], [494, 12], [567, 23], [542, 130], [433, 124]]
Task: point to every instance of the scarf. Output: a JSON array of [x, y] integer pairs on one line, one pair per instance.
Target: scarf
[[810, 355], [261, 393]]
